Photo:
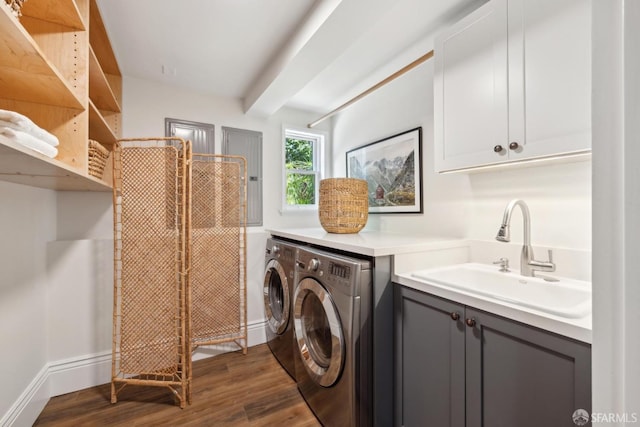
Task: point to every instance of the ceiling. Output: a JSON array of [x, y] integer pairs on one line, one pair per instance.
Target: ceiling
[[307, 54]]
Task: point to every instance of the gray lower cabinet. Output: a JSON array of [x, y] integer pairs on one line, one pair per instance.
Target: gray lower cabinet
[[458, 366]]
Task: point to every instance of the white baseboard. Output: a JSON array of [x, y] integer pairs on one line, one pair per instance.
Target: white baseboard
[[30, 403], [79, 373], [256, 334], [68, 375], [54, 379]]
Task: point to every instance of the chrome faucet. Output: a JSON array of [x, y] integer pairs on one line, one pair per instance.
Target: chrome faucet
[[528, 265]]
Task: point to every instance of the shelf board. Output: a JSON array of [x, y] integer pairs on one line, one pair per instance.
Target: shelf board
[[99, 39], [99, 89], [21, 165], [63, 12], [26, 73], [99, 130]]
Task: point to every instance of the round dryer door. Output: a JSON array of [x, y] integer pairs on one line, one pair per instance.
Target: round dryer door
[[276, 297], [318, 332]]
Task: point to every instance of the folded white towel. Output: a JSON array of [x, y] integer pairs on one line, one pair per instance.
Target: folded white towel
[[29, 141], [23, 123]]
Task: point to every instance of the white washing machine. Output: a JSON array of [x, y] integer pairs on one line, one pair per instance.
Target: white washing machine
[[332, 319], [280, 257]]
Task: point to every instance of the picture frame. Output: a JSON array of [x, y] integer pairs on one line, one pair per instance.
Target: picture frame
[[392, 167]]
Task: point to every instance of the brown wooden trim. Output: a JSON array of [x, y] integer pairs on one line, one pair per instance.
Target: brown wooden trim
[[375, 87]]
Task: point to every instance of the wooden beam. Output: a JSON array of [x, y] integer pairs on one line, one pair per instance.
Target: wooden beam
[[375, 87]]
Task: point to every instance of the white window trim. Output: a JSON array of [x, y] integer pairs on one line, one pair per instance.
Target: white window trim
[[319, 156]]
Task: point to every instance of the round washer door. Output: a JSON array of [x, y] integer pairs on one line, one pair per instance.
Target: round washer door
[[318, 332], [276, 297]]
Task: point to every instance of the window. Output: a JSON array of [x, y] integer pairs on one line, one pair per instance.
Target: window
[[303, 155]]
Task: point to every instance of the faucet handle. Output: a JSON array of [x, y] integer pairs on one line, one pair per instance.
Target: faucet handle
[[504, 264], [547, 266]]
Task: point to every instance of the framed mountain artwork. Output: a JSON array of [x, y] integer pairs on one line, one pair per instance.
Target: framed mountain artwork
[[392, 168]]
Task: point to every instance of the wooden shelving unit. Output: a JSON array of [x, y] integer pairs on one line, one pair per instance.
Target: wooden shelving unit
[[105, 82], [23, 166], [58, 68], [63, 12], [27, 75], [99, 129], [100, 91]]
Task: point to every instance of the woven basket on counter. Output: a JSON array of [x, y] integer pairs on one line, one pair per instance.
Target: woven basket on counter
[[98, 156], [15, 6], [344, 205]]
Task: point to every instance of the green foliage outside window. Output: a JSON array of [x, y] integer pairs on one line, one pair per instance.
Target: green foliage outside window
[[300, 186], [299, 154], [301, 189]]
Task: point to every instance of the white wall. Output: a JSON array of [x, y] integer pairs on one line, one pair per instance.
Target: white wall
[[84, 215], [27, 223], [616, 195], [467, 205], [558, 196], [79, 313], [401, 105]]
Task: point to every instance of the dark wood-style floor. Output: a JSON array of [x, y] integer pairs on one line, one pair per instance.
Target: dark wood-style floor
[[231, 389]]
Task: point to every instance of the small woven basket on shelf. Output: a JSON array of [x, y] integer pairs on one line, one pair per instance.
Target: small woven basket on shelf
[[15, 6], [98, 156], [344, 205]]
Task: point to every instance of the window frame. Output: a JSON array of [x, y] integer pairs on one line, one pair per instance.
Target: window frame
[[319, 139]]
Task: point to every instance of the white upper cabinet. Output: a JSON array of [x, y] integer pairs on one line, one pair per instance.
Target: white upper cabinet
[[513, 82]]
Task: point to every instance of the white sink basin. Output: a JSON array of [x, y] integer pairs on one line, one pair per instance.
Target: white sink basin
[[566, 297]]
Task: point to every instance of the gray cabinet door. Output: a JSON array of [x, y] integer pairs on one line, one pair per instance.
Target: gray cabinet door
[[517, 375], [495, 373], [430, 358]]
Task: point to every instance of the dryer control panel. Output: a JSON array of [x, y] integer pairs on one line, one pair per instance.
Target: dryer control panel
[[333, 270]]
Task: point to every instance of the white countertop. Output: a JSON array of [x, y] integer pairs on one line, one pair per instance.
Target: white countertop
[[369, 242], [379, 243], [578, 329]]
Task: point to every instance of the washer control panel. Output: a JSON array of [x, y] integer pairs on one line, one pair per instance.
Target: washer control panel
[[280, 251]]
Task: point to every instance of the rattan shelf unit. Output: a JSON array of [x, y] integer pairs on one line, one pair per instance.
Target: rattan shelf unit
[[179, 260]]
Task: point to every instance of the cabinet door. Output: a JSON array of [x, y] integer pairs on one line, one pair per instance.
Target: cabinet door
[[470, 90], [549, 77], [429, 361], [522, 376]]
